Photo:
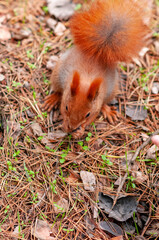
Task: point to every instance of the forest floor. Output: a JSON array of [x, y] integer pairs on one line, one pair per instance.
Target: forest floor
[[55, 187]]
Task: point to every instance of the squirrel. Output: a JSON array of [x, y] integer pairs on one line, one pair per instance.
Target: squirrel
[[85, 79]]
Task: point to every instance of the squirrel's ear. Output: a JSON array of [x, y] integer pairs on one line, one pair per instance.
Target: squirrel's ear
[[94, 88], [75, 83]]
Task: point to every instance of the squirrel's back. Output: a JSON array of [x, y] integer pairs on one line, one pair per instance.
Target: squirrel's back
[[110, 31]]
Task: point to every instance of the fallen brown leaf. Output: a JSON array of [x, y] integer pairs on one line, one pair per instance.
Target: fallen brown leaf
[[88, 180], [41, 230], [61, 206], [4, 33]]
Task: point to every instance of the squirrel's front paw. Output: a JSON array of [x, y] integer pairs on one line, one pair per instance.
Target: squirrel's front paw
[[78, 133], [110, 113], [51, 101]]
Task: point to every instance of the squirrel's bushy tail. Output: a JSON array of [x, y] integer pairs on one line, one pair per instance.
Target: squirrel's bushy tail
[[110, 31]]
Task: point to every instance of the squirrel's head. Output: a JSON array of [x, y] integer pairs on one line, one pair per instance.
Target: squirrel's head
[[80, 103]]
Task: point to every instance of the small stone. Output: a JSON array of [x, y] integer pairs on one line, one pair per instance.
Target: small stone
[[51, 23], [59, 29], [8, 16], [156, 84], [154, 90], [2, 77], [61, 9], [2, 18], [26, 84], [23, 33]]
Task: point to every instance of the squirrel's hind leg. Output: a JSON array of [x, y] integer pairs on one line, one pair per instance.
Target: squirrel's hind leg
[[110, 113], [51, 101]]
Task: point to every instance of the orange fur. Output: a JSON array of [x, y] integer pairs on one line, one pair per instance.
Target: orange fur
[[75, 83], [93, 89], [110, 31], [85, 78]]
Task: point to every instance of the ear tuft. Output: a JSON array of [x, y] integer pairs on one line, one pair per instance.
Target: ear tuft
[[94, 88], [75, 83]]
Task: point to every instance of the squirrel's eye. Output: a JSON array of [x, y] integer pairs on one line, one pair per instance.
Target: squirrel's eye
[[88, 114], [66, 108]]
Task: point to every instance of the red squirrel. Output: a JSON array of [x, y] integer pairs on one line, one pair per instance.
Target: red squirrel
[[85, 78]]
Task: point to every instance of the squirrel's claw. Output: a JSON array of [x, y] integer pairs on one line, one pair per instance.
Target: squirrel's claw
[[51, 101], [110, 113], [78, 133]]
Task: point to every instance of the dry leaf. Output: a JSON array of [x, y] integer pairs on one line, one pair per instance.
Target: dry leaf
[[45, 140], [72, 178], [95, 212], [89, 227], [152, 232], [111, 227], [15, 233], [123, 209], [41, 230], [118, 181], [37, 130], [61, 206], [88, 180], [14, 129], [56, 135], [139, 238], [4, 33], [151, 152], [137, 113], [98, 144], [144, 136], [139, 177], [128, 226]]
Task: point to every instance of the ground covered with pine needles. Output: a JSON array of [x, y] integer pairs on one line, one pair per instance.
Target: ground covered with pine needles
[[41, 168]]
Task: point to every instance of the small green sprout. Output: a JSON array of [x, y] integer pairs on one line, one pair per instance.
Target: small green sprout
[[31, 65], [106, 160], [88, 138], [45, 9], [29, 54]]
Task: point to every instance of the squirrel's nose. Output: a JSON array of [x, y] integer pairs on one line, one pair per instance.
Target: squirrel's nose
[[66, 127]]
